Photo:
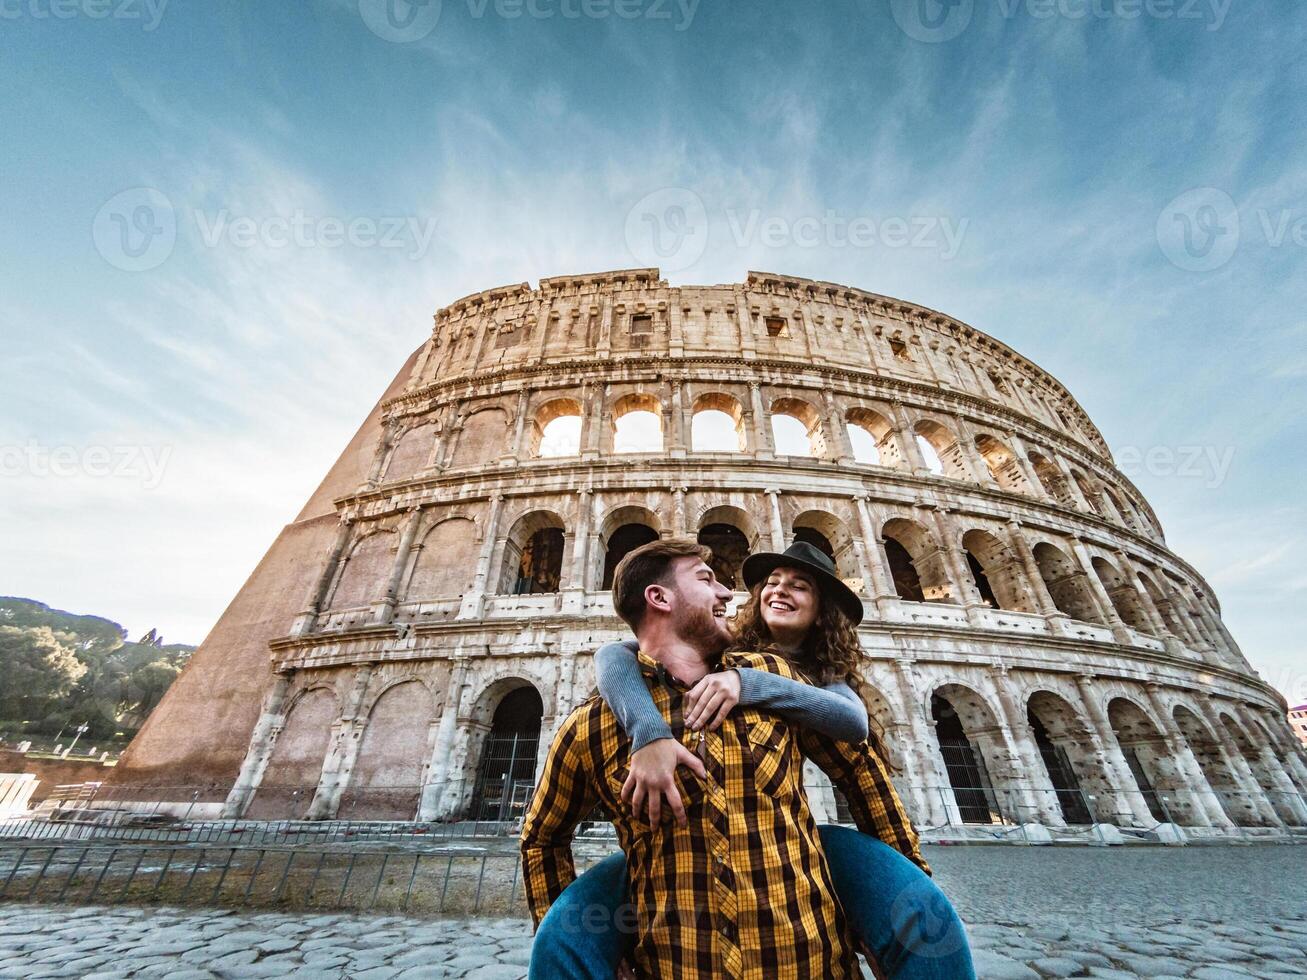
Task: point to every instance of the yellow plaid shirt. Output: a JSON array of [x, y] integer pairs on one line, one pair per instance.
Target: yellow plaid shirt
[[744, 890]]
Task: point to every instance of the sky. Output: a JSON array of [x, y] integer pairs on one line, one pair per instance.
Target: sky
[[225, 225]]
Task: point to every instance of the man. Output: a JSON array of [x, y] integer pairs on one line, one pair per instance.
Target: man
[[742, 889]]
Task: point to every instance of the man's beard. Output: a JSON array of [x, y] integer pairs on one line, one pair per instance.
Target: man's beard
[[702, 630]]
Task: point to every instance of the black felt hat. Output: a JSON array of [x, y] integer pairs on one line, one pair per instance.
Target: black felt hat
[[812, 560]]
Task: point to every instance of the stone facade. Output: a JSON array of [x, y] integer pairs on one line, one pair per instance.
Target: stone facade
[[1035, 653]]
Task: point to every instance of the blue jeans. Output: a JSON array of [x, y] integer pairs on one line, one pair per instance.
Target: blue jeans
[[893, 908]]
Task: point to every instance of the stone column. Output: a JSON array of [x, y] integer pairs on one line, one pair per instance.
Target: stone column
[[342, 750], [675, 324], [839, 446], [385, 609], [980, 471], [774, 516], [1288, 800], [744, 321], [961, 582], [517, 453], [1039, 795], [1187, 765], [1239, 767], [593, 398], [432, 802], [474, 601], [605, 346], [383, 450], [1131, 805], [1022, 454], [540, 337], [679, 528], [1154, 615], [680, 439], [1057, 620], [932, 804], [259, 752], [1103, 602], [908, 447], [1072, 487], [874, 549], [762, 440], [307, 620]]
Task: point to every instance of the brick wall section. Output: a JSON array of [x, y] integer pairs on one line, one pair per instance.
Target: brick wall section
[[54, 772]]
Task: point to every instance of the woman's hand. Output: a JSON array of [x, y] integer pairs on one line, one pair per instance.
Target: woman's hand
[[711, 700], [651, 778]]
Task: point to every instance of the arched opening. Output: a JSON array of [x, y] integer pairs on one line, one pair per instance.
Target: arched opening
[[1052, 479], [720, 531], [1148, 758], [1165, 607], [939, 447], [1207, 750], [556, 429], [637, 424], [717, 425], [506, 770], [915, 562], [796, 429], [871, 436], [998, 573], [1124, 596], [1089, 490], [1259, 767], [625, 529], [363, 579], [1118, 505], [1002, 464], [1066, 583], [533, 555], [883, 724], [387, 777], [964, 729], [1084, 790], [831, 536]]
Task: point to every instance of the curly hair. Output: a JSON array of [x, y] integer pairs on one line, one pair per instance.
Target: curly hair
[[830, 651]]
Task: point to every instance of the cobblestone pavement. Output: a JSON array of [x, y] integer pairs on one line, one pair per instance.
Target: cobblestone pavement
[[1204, 913]]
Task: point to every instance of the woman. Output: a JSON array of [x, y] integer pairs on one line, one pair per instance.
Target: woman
[[798, 608]]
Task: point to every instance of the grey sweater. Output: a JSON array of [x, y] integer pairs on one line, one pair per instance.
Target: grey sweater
[[832, 709]]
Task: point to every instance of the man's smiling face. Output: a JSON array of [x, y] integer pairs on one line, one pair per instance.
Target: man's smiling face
[[699, 605]]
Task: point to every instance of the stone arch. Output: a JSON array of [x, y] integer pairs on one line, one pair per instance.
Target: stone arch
[[505, 727], [363, 578], [1206, 748], [1165, 607], [1052, 479], [731, 535], [623, 530], [1250, 749], [998, 573], [893, 736], [556, 428], [717, 423], [1066, 584], [1002, 464], [533, 555], [787, 437], [1148, 757], [1124, 596], [832, 536], [1084, 789], [872, 438], [1118, 504], [968, 734], [434, 575], [1089, 490], [294, 766], [482, 437], [386, 780], [940, 449], [637, 424], [916, 563], [411, 452]]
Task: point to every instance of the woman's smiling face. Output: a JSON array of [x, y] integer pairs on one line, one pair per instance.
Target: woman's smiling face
[[789, 604]]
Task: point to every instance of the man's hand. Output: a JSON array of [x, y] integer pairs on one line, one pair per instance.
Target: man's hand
[[711, 700], [651, 778]]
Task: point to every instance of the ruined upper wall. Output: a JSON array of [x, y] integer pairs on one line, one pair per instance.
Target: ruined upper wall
[[634, 312]]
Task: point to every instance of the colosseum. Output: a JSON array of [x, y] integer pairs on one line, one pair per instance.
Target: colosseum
[[1035, 654]]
